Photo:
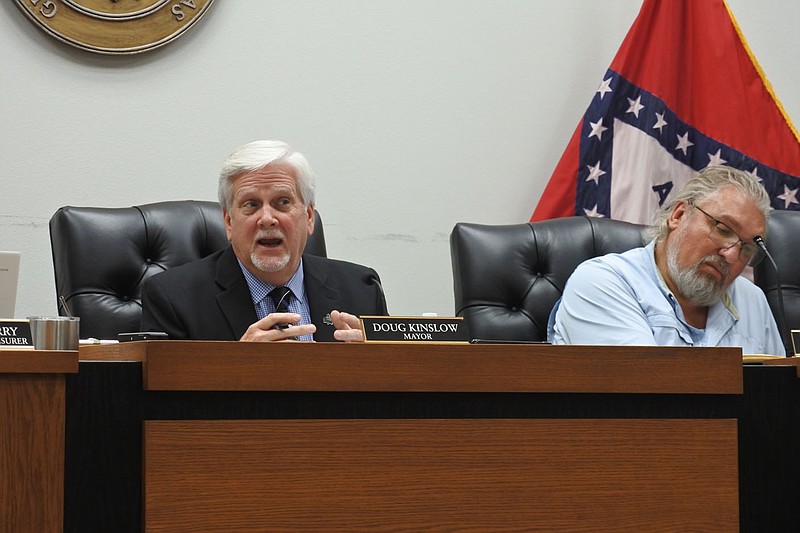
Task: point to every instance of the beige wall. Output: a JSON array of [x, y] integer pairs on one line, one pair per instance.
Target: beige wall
[[415, 115]]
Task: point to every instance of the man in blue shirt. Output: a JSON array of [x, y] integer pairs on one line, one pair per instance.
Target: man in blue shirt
[[684, 288]]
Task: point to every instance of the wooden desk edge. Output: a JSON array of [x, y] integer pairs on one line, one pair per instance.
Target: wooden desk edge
[[785, 361], [38, 361], [417, 367], [123, 351]]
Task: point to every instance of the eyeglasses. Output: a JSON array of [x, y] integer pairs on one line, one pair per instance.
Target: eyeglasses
[[724, 237]]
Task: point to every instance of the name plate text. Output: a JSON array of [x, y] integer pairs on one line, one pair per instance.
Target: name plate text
[[15, 335], [414, 329]]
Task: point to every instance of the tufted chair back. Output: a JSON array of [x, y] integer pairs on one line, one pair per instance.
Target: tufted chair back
[[783, 242], [506, 279], [102, 256]]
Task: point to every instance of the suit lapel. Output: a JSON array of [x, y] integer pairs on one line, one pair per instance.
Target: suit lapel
[[322, 297], [236, 303], [234, 299]]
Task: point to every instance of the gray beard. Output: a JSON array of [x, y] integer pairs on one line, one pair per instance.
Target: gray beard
[[270, 265], [694, 286]]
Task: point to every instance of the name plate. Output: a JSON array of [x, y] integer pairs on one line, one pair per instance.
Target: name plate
[[15, 335], [414, 329]]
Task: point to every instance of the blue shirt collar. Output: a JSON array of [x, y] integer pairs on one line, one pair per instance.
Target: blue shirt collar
[[260, 289]]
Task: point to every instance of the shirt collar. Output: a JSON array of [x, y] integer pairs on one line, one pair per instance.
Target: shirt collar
[[260, 289]]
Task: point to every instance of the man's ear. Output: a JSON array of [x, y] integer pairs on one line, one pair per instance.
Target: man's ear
[[310, 213], [679, 211], [227, 218]]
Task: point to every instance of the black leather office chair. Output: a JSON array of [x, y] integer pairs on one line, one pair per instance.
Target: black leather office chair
[[507, 279], [102, 256], [783, 242]]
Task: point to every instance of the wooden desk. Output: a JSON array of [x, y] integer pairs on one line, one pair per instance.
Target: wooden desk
[[32, 388], [254, 437]]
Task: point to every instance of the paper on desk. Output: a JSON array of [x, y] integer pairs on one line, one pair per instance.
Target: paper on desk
[[92, 340]]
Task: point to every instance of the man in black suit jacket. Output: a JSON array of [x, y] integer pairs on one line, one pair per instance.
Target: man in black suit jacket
[[267, 194]]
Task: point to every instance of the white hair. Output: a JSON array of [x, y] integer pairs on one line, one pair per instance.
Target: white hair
[[705, 184], [257, 155]]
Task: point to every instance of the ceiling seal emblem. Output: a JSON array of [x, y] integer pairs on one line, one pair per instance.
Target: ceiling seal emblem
[[115, 27]]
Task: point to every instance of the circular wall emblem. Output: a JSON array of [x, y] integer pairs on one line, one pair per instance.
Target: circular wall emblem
[[115, 26]]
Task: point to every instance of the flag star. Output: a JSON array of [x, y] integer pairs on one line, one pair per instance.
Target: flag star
[[597, 129], [683, 142], [595, 173], [754, 174], [660, 122], [789, 197], [604, 88], [635, 106], [593, 212], [716, 159]]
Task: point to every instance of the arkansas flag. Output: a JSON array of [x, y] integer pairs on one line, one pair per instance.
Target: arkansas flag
[[683, 92]]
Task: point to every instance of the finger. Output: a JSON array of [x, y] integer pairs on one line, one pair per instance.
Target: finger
[[277, 326], [345, 321], [277, 319], [336, 317], [291, 333], [255, 334], [348, 335]]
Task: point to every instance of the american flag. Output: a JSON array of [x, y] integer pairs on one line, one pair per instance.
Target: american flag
[[684, 92]]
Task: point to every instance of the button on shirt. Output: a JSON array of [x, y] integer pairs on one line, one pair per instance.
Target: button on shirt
[[259, 291], [622, 299]]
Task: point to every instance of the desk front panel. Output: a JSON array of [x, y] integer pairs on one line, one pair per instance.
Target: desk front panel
[[447, 475], [32, 410], [108, 411]]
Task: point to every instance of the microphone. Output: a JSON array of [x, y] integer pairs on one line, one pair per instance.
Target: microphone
[[371, 278], [759, 240]]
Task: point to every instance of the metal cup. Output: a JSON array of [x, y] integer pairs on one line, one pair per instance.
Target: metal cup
[[55, 333]]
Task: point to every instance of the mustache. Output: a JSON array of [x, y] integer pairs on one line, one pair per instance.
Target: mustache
[[269, 234], [717, 262]]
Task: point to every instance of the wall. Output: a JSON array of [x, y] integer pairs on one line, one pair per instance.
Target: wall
[[415, 115]]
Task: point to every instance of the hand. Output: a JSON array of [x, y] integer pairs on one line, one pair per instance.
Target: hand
[[348, 327], [277, 327]]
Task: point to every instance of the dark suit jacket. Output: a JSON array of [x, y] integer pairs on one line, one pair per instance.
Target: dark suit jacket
[[209, 299]]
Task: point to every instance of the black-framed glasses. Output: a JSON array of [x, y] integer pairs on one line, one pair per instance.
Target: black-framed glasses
[[724, 237]]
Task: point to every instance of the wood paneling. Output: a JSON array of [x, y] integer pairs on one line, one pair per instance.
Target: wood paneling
[[404, 437], [441, 475], [410, 367], [32, 398], [38, 361]]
